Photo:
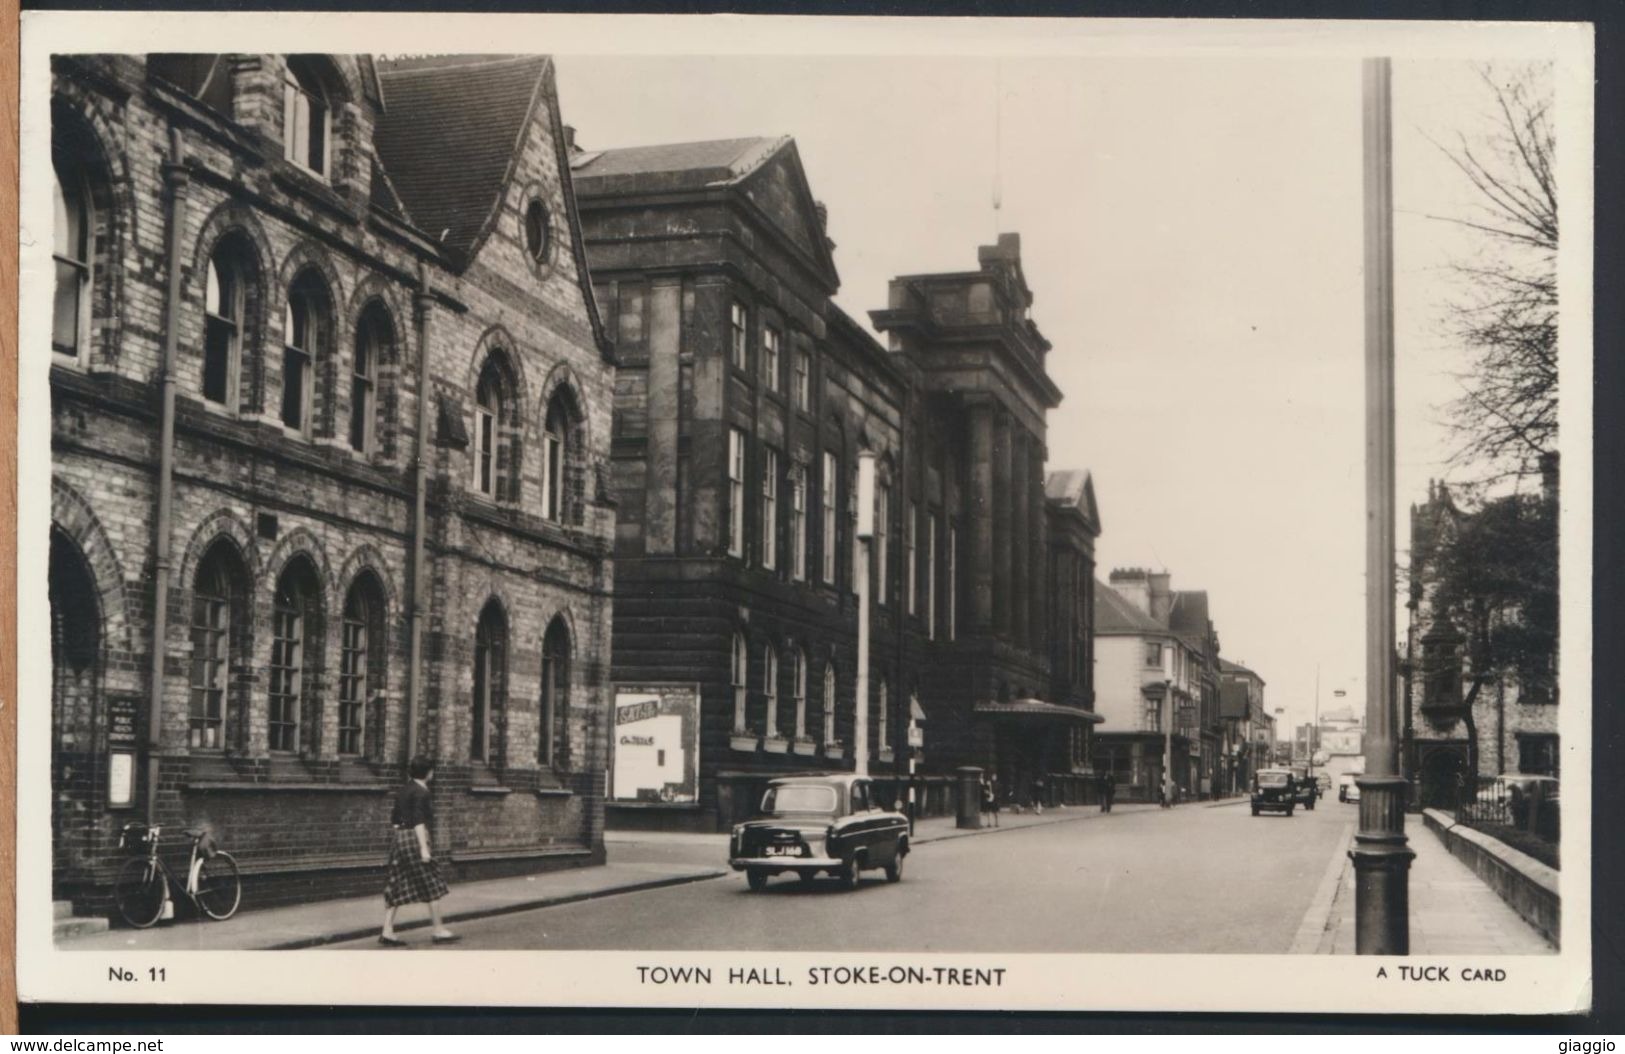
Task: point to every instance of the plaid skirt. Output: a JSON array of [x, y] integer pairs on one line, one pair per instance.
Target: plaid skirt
[[411, 881]]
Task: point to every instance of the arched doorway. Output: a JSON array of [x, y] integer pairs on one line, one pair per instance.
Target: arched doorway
[[1439, 776], [76, 646]]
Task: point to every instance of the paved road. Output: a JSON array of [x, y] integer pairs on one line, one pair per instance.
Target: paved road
[[1191, 879]]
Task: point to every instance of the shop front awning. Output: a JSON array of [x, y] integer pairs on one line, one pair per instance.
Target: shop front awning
[[1037, 708]]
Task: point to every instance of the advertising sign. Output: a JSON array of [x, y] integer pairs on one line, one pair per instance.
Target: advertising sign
[[121, 720], [655, 743]]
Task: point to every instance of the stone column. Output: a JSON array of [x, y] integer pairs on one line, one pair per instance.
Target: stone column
[[1037, 555], [1020, 588], [978, 569], [1003, 495]]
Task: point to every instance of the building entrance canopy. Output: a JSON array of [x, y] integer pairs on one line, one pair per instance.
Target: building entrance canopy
[[1036, 708]]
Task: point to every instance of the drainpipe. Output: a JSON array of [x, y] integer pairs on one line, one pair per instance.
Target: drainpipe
[[176, 175], [420, 593]]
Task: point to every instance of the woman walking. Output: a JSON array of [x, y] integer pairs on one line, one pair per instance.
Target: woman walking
[[414, 874]]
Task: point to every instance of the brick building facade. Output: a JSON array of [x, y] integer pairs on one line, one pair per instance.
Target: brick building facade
[[743, 400], [330, 405]]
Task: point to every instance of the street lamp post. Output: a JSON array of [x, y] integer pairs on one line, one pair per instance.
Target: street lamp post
[[1168, 743], [1382, 860]]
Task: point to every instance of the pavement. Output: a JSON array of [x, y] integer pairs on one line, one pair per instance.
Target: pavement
[[1452, 911], [639, 861]]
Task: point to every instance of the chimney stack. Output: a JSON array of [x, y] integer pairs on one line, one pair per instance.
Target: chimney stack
[[570, 147], [1162, 597]]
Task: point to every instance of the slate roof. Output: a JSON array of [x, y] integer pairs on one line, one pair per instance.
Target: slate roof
[[1114, 613], [1074, 488], [1226, 666], [687, 166], [1188, 616], [452, 129]]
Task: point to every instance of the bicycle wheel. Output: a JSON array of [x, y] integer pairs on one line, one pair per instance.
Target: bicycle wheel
[[219, 890], [138, 892]]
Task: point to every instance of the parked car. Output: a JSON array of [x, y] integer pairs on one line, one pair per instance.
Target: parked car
[[1347, 789], [1275, 790], [1307, 790], [821, 823], [1506, 799]]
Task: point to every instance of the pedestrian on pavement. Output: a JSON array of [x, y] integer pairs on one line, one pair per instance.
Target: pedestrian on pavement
[[414, 873], [990, 797], [1038, 795], [1104, 785]]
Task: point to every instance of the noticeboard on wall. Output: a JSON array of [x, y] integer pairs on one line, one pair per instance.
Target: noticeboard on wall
[[655, 745]]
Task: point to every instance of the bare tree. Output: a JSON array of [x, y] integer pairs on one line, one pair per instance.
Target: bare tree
[[1506, 418]]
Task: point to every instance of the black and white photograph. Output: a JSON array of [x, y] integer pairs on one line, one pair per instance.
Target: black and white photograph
[[777, 512]]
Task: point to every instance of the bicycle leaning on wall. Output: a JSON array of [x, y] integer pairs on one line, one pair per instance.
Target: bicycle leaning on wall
[[141, 893]]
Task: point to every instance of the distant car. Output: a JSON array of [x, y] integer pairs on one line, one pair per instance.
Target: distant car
[[812, 824], [1347, 789], [1307, 790], [1275, 790], [1323, 783]]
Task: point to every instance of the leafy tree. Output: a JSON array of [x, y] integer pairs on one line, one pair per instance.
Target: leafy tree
[[1496, 583]]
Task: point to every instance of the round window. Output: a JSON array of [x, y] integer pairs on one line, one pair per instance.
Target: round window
[[536, 231]]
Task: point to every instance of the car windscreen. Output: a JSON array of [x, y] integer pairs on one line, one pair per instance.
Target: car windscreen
[[1273, 779], [799, 797]]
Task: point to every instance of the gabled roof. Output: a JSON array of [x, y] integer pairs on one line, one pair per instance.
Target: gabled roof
[[689, 165], [1226, 666], [764, 169], [1074, 488], [1115, 614], [453, 129]]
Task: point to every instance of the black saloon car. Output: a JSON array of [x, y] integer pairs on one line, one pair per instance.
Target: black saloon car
[[1275, 790], [810, 824]]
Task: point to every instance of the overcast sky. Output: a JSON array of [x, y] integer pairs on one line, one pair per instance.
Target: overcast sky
[[1191, 229]]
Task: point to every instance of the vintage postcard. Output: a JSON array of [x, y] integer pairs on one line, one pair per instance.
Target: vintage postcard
[[801, 512]]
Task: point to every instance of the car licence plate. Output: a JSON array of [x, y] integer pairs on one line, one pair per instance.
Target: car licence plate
[[781, 850]]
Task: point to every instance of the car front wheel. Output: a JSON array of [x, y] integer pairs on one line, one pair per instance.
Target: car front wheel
[[894, 870], [850, 873], [1255, 810]]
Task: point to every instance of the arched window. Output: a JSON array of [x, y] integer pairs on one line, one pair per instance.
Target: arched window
[[770, 687], [361, 665], [829, 705], [738, 667], [72, 240], [798, 683], [304, 116], [490, 681], [555, 713], [295, 633], [374, 335], [304, 334], [493, 415], [218, 629], [224, 299], [556, 457]]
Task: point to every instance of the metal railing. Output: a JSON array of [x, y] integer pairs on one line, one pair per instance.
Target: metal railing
[[1501, 801]]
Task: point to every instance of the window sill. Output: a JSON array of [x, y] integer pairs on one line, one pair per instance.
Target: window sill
[[806, 747], [554, 792], [835, 752], [491, 790], [347, 787], [775, 745], [744, 741]]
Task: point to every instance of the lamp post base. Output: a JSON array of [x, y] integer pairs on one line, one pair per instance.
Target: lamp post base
[[1382, 864]]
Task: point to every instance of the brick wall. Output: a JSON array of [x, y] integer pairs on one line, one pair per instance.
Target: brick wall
[[307, 823]]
